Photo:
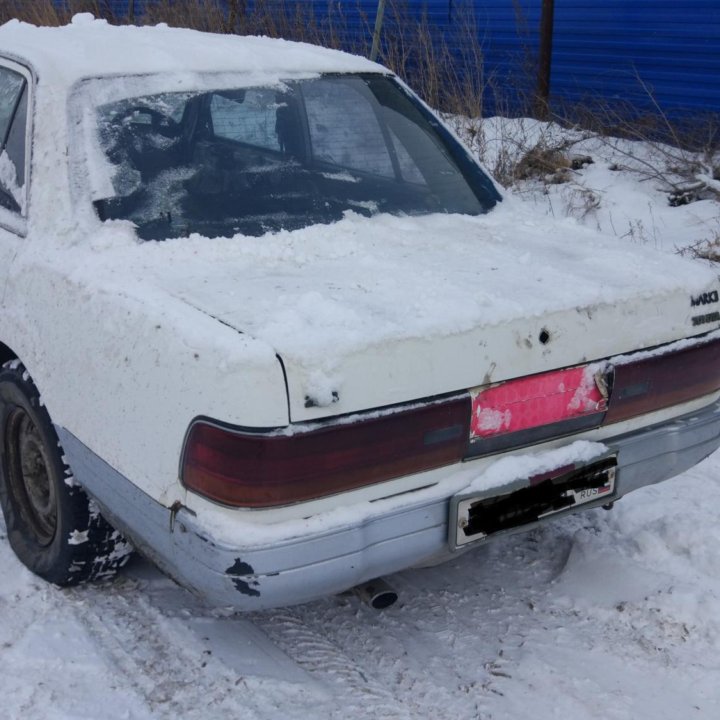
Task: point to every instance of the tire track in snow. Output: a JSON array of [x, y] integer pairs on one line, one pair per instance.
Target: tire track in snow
[[461, 627], [325, 660], [140, 643], [161, 658]]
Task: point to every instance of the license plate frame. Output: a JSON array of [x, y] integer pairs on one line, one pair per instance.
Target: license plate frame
[[519, 505]]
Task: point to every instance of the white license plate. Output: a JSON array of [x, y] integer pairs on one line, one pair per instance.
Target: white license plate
[[477, 517]]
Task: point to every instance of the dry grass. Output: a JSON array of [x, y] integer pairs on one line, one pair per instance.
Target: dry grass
[[206, 15], [707, 249], [41, 12], [47, 12], [680, 154]]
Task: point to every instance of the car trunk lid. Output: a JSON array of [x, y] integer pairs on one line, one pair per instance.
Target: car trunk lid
[[368, 313]]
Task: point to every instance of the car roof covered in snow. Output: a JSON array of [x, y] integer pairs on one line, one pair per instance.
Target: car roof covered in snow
[[91, 48]]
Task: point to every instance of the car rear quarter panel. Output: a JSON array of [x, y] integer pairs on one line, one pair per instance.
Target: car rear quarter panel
[[126, 368]]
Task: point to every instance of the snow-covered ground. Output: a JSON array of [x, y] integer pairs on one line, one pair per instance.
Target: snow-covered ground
[[624, 191], [605, 615]]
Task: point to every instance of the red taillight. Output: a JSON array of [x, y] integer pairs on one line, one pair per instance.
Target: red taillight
[[660, 379], [269, 469], [530, 409]]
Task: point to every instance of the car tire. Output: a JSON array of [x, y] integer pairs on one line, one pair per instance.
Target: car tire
[[55, 529]]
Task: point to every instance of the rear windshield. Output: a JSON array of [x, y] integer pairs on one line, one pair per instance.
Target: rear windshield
[[256, 160]]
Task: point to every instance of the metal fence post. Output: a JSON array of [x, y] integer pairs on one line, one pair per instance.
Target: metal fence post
[[378, 29], [542, 96]]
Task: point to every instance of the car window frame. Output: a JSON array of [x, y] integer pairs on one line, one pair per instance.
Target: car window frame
[[16, 222]]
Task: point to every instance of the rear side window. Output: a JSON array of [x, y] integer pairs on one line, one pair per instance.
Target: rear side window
[[13, 121], [11, 85], [15, 144]]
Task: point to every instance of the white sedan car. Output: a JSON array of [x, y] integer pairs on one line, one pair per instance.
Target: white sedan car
[[265, 320]]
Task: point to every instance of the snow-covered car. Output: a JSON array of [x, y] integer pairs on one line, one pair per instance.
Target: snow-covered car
[[266, 320]]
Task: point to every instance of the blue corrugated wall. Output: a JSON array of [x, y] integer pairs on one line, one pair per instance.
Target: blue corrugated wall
[[609, 49]]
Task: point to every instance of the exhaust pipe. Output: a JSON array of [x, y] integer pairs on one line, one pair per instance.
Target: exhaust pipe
[[376, 593]]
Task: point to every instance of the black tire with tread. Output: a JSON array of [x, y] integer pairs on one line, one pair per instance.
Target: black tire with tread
[[71, 542]]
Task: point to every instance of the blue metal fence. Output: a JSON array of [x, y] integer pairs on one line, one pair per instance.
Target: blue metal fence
[[621, 50], [638, 51]]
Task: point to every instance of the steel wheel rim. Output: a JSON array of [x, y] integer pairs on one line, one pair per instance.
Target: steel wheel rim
[[29, 476]]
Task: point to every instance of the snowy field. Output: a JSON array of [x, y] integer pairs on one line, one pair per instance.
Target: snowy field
[[605, 615]]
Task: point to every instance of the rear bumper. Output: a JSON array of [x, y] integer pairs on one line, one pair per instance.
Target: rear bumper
[[315, 564]]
